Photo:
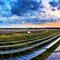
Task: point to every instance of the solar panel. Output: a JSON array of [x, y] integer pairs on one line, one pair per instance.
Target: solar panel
[[51, 44], [58, 48], [54, 56], [25, 48], [26, 42]]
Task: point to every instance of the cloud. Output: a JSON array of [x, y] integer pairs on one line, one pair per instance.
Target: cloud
[[1, 21], [28, 11], [53, 3], [21, 6], [58, 8], [53, 9], [2, 3]]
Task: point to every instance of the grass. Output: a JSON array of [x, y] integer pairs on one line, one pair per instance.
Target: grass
[[25, 36], [23, 41], [25, 45]]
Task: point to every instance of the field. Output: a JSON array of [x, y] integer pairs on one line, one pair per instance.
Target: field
[[18, 43]]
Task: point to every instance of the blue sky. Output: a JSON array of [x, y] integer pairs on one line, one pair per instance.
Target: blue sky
[[18, 13]]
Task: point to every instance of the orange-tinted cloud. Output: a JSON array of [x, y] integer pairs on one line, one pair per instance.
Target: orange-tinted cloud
[[47, 24]]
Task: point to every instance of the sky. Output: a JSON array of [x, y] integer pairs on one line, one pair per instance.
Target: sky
[[29, 13]]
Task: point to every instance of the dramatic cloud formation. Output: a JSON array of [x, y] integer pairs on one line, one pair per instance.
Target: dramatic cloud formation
[[21, 6], [1, 2], [55, 4], [29, 12]]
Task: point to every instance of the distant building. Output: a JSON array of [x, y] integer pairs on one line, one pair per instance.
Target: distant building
[[28, 32], [47, 30], [55, 29], [3, 34]]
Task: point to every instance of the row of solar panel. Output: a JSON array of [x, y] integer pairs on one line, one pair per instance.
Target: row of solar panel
[[55, 55], [24, 43], [25, 48], [27, 42], [35, 53]]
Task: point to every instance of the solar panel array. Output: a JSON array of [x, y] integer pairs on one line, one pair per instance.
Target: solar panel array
[[55, 55], [58, 49], [25, 48], [32, 54], [35, 53]]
